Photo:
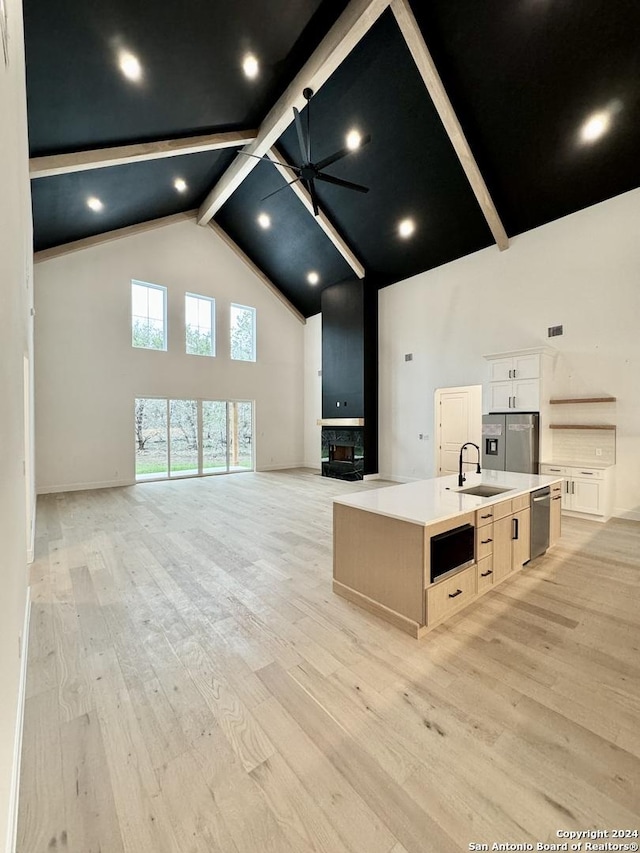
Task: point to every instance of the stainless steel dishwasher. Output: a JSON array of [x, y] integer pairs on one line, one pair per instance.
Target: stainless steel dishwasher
[[540, 514]]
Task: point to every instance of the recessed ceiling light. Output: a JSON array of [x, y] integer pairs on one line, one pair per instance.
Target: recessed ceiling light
[[95, 204], [250, 66], [354, 138], [264, 220], [130, 66], [406, 228], [313, 278], [180, 184], [595, 126]]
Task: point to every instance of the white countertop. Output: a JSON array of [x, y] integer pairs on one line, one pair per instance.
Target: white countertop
[[426, 501], [595, 465]]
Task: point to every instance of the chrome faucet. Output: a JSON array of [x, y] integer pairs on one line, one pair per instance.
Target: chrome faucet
[[461, 477]]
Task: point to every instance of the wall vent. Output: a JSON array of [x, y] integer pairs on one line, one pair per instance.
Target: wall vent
[[554, 331], [408, 356]]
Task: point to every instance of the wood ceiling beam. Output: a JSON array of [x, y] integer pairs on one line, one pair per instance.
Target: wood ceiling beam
[[322, 220], [356, 20], [109, 236], [100, 158], [256, 270], [422, 58]]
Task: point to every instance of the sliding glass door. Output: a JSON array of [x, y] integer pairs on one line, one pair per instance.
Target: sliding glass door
[[191, 438], [214, 436]]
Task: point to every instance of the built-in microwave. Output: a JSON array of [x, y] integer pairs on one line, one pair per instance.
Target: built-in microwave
[[453, 549]]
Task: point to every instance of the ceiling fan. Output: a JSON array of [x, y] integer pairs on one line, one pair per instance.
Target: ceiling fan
[[308, 172]]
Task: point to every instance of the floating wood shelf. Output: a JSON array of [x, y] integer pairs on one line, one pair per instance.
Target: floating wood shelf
[[584, 400], [582, 426]]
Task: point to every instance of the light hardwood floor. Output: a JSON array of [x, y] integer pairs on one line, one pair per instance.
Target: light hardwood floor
[[194, 685]]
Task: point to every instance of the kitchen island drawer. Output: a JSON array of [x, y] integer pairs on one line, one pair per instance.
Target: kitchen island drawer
[[485, 574], [521, 502], [447, 596], [484, 542], [484, 516]]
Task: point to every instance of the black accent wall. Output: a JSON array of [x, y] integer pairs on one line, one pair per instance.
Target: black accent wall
[[350, 359]]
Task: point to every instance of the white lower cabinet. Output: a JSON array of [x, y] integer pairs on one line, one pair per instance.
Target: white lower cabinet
[[584, 490]]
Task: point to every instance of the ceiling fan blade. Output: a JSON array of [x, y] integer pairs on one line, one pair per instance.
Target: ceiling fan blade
[[269, 160], [342, 153], [314, 198], [300, 132], [340, 183], [280, 189]]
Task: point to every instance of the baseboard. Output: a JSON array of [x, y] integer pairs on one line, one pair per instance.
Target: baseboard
[[12, 824], [284, 467], [83, 487], [629, 514], [371, 477]]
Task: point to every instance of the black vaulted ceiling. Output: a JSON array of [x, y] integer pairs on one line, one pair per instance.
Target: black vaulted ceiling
[[523, 77]]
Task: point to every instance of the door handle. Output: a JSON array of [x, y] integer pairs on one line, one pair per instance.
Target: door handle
[[486, 574], [515, 528], [454, 594]]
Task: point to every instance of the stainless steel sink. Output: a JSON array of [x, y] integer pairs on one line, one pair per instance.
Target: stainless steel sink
[[483, 491]]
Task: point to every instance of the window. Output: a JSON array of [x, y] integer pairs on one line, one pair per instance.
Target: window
[[243, 333], [148, 315], [200, 313], [189, 438]]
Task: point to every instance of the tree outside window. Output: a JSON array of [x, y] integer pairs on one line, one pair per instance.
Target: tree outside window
[[200, 325], [243, 333], [148, 316]]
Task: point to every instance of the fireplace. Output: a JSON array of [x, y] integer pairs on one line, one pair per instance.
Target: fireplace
[[343, 453]]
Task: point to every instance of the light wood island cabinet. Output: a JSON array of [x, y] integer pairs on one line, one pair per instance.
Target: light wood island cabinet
[[382, 562]]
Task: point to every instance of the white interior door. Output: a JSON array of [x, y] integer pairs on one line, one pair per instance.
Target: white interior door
[[458, 420]]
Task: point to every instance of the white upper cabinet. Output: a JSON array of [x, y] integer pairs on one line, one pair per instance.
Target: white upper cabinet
[[515, 381]]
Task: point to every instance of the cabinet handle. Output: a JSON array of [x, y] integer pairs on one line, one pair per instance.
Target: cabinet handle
[[490, 515], [485, 541], [588, 473], [555, 470], [514, 372], [454, 594], [567, 485], [573, 488], [509, 374], [486, 574], [515, 528], [559, 498]]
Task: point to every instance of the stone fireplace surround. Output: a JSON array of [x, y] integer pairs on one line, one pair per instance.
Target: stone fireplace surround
[[343, 436]]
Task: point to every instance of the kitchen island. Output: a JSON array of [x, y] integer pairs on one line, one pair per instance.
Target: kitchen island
[[390, 545]]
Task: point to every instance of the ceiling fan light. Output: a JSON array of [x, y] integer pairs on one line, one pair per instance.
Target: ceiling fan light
[[354, 138]]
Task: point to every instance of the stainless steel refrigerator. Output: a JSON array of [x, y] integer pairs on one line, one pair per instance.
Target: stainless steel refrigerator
[[511, 442]]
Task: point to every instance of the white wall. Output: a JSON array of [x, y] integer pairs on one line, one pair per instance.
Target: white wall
[[88, 374], [582, 271], [312, 391], [15, 338]]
